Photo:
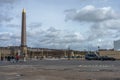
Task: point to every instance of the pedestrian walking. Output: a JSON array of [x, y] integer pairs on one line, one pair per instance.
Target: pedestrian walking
[[17, 58]]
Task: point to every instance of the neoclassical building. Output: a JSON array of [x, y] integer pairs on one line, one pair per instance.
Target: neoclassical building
[[39, 52]]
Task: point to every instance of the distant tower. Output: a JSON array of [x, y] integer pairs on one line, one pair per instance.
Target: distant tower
[[23, 34]]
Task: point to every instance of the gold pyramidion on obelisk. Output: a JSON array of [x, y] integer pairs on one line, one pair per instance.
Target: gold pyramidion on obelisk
[[24, 11]]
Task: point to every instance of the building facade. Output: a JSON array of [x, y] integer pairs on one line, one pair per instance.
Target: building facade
[[117, 45], [40, 53]]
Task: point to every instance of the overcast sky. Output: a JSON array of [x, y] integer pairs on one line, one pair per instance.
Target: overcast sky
[[57, 24]]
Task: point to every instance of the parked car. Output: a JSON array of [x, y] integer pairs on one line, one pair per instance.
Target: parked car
[[107, 58], [92, 56], [95, 56]]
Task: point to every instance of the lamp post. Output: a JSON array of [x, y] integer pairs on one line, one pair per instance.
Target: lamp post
[[0, 56], [98, 48], [42, 54], [69, 53]]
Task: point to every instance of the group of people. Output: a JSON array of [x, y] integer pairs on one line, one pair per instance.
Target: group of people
[[12, 59]]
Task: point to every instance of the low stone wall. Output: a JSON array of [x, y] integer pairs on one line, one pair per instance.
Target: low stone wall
[[115, 54]]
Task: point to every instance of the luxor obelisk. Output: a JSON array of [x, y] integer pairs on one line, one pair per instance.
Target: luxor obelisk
[[23, 35]]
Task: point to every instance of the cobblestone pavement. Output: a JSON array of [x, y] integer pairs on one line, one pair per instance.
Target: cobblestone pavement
[[60, 70]]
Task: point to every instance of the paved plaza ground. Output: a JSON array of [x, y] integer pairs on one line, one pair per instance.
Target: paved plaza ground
[[60, 70]]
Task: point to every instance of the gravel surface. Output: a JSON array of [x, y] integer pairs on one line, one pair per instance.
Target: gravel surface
[[60, 70]]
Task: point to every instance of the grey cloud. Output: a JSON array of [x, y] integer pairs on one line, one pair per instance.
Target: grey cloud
[[34, 29], [5, 10], [5, 36], [15, 36], [60, 37], [5, 18], [9, 36], [54, 38], [104, 29], [13, 25], [52, 29], [52, 32], [91, 14], [104, 33], [112, 24], [35, 25], [51, 35], [98, 31], [9, 39], [7, 1], [35, 33]]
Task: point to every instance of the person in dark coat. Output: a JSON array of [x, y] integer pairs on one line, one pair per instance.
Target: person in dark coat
[[8, 58], [1, 58]]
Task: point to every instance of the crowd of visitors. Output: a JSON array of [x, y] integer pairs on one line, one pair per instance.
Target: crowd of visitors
[[10, 58]]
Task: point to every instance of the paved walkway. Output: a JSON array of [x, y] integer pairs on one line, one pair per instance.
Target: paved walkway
[[60, 70]]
